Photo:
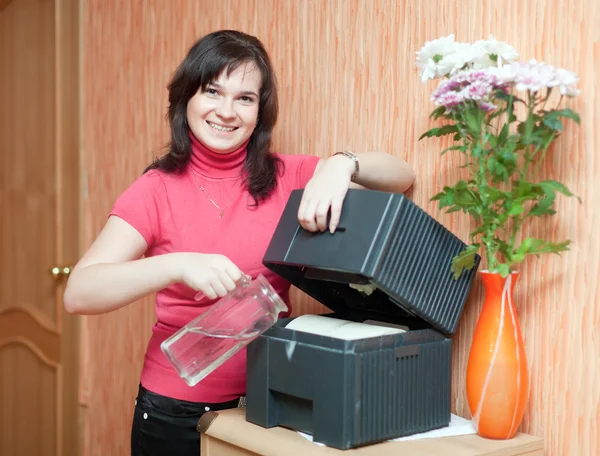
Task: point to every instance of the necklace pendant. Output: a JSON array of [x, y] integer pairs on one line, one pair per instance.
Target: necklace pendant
[[221, 214]]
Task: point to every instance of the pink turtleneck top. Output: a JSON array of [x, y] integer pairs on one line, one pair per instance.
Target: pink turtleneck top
[[173, 214]]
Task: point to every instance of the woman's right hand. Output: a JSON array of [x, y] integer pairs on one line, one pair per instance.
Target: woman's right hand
[[210, 274], [112, 273]]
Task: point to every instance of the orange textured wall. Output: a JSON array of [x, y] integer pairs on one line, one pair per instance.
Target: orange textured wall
[[347, 78]]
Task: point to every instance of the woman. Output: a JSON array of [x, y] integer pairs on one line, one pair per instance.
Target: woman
[[202, 216]]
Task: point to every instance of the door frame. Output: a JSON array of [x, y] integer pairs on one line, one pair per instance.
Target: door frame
[[69, 223]]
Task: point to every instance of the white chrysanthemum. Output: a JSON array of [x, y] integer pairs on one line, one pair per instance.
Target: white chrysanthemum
[[535, 76], [506, 74], [495, 53], [430, 58], [565, 81], [463, 57]]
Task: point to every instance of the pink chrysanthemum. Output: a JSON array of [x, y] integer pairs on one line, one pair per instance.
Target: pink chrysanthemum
[[474, 85]]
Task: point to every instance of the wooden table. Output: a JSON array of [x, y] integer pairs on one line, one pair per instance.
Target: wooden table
[[227, 433]]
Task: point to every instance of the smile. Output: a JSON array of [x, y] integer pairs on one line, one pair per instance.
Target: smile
[[220, 128]]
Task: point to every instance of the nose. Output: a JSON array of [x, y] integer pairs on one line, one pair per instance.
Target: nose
[[225, 109]]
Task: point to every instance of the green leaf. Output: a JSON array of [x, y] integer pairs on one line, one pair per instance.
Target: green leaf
[[495, 114], [491, 140], [465, 260], [445, 198], [502, 163], [476, 150], [566, 113], [543, 207], [502, 247], [525, 191], [503, 134], [507, 97], [462, 148], [553, 247], [438, 196], [547, 141], [495, 195], [532, 137], [533, 246], [517, 258], [460, 197], [516, 209], [501, 95], [503, 269], [437, 113], [525, 129], [479, 230], [440, 131], [461, 185], [553, 123], [551, 186], [508, 157], [473, 119]]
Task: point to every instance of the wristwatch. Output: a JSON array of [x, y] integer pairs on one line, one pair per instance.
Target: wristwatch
[[352, 156]]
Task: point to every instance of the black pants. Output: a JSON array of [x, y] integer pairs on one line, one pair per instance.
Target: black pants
[[163, 426]]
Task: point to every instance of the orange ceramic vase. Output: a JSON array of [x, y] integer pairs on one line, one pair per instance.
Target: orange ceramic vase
[[497, 374]]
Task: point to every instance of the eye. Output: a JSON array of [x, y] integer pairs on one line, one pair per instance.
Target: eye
[[246, 99], [211, 91]]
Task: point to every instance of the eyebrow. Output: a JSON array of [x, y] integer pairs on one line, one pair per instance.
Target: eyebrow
[[246, 92]]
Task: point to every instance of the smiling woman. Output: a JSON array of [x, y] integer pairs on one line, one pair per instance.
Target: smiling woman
[[224, 114], [201, 217], [225, 81]]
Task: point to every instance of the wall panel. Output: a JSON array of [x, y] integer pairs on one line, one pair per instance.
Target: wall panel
[[347, 79]]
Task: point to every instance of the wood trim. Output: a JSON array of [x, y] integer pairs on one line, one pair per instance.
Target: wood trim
[[68, 88], [41, 340], [41, 319], [48, 356]]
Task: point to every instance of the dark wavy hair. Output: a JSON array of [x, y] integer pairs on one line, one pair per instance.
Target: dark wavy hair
[[224, 50]]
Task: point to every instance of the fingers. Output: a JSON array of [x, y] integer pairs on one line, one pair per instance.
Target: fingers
[[306, 213], [212, 276], [234, 273], [336, 213], [218, 287], [226, 280], [206, 290], [313, 213], [321, 215]]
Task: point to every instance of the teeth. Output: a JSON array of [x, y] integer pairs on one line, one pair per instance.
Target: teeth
[[220, 128]]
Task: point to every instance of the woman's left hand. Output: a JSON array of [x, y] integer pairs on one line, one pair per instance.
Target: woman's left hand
[[325, 193]]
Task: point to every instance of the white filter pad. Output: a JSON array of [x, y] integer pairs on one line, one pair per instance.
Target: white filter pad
[[339, 329]]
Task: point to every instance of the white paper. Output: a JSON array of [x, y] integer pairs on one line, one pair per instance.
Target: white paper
[[457, 426]]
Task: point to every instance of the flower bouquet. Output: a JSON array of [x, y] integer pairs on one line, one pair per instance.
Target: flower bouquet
[[503, 115]]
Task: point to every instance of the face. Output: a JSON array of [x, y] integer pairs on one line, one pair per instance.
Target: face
[[223, 116]]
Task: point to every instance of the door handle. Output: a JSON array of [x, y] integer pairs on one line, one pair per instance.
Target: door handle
[[59, 272]]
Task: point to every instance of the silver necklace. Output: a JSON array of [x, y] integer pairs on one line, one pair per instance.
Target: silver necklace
[[203, 190]]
